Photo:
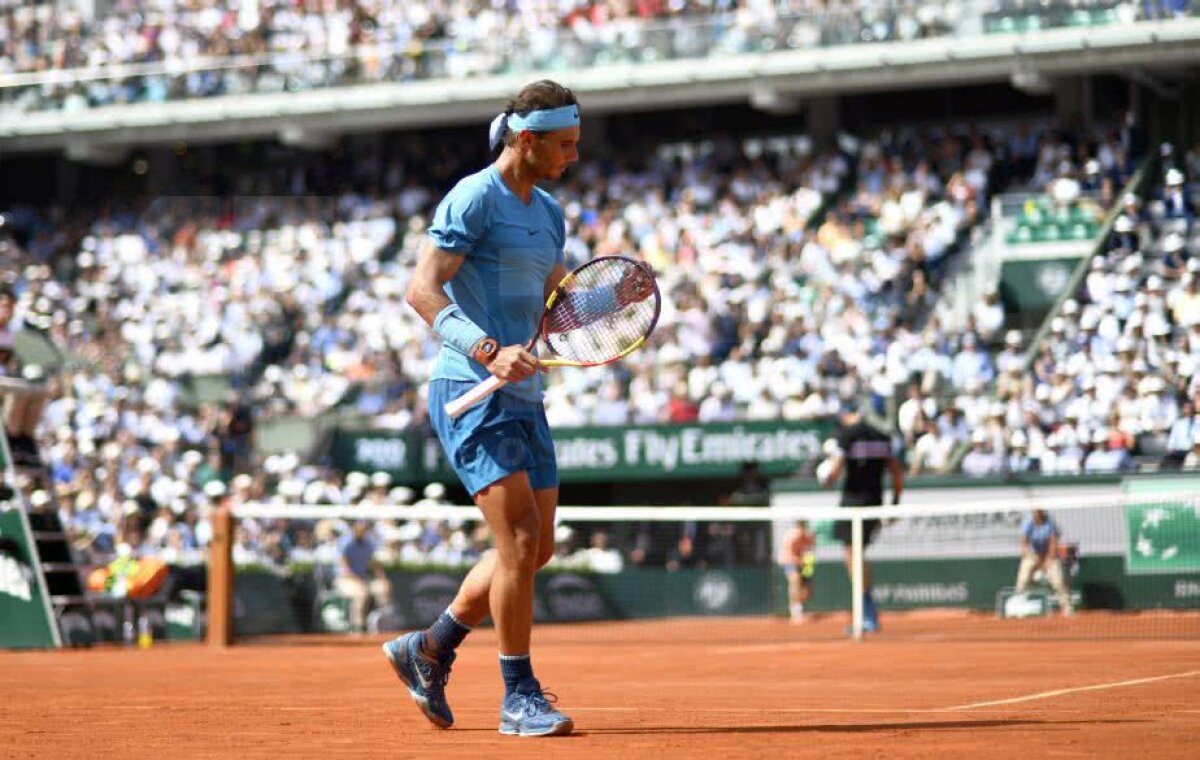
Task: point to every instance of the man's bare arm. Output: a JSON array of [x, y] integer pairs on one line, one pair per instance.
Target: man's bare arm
[[425, 293]]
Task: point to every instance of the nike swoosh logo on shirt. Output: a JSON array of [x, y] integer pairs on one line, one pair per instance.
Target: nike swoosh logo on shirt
[[532, 232]]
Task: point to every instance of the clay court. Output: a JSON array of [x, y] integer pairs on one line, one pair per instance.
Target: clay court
[[923, 688]]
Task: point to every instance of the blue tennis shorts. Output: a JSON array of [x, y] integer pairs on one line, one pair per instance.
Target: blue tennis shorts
[[493, 439]]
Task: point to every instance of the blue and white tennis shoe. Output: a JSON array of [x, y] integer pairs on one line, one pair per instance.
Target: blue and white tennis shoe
[[533, 715], [424, 676]]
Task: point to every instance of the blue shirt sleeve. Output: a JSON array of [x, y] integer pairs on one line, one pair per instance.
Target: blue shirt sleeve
[[560, 231], [1027, 528], [460, 219]]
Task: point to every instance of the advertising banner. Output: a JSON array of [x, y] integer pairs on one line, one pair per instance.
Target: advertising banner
[[641, 452]]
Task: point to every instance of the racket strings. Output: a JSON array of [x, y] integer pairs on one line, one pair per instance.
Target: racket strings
[[602, 312]]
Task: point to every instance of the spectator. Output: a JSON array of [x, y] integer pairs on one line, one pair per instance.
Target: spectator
[[360, 577], [932, 452], [989, 316], [599, 557], [981, 461]]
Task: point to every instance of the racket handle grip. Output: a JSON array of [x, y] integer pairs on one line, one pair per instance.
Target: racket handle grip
[[472, 397]]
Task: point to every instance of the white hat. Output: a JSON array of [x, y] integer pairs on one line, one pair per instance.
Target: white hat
[[400, 495], [1174, 176], [979, 436], [1018, 439], [214, 489], [291, 487], [1123, 224], [1013, 337], [242, 481], [357, 480], [381, 480], [434, 491]]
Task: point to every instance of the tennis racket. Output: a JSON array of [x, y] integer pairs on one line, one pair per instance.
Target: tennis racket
[[600, 312]]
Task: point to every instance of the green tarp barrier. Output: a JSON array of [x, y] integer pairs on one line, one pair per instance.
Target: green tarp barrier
[[25, 620]]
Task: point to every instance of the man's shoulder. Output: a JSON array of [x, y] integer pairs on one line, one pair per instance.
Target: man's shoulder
[[865, 431], [473, 187]]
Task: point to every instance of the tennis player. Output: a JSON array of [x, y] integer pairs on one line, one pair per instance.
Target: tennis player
[[496, 255], [864, 453]]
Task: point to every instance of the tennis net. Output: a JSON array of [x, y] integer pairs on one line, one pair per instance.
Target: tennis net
[[1129, 567]]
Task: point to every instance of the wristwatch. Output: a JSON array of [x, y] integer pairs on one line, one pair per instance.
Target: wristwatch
[[485, 350]]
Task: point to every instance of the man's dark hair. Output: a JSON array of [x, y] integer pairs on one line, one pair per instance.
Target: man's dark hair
[[538, 96]]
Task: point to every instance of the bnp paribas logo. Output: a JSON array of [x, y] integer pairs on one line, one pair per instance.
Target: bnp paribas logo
[[1052, 279], [16, 576], [715, 592]]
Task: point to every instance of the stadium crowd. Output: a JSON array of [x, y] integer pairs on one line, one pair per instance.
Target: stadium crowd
[[298, 300], [201, 48], [1116, 379]]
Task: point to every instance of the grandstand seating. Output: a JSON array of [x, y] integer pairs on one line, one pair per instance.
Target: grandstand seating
[[131, 51], [795, 279]]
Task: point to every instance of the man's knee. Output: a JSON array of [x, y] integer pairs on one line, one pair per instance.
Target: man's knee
[[525, 547]]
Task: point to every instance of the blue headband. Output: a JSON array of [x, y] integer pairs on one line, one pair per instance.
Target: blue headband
[[546, 120]]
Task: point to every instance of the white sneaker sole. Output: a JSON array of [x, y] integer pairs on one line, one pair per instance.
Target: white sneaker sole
[[558, 729]]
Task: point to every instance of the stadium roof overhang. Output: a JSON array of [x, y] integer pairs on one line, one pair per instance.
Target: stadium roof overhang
[[314, 115]]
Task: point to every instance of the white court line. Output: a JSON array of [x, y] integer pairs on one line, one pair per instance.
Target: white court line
[[1060, 692]]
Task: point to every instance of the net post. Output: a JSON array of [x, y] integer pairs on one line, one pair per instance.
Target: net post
[[220, 580], [856, 577]]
